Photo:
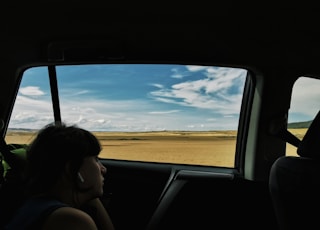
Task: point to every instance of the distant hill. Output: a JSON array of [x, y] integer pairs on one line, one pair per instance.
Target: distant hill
[[293, 125], [21, 130], [299, 125]]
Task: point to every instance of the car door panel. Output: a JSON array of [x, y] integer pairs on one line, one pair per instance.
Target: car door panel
[[202, 200]]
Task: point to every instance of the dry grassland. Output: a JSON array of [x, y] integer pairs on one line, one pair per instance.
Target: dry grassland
[[292, 150], [200, 148]]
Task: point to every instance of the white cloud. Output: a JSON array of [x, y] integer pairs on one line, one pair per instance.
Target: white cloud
[[160, 86], [30, 104], [211, 93], [195, 68], [31, 91], [80, 92], [164, 112]]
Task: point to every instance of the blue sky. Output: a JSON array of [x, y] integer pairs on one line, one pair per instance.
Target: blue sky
[[143, 98]]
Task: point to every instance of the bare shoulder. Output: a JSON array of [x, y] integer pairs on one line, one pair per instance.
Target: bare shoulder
[[69, 218]]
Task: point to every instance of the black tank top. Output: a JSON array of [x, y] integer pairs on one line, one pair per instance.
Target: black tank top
[[33, 213]]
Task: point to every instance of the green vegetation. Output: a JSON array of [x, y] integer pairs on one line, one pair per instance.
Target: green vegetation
[[299, 125]]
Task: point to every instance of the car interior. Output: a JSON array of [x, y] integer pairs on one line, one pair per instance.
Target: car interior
[[294, 184], [244, 78]]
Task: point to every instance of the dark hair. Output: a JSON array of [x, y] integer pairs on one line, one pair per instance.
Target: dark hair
[[55, 147]]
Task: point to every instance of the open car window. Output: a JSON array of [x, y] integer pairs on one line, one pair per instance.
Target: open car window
[[161, 113], [305, 105]]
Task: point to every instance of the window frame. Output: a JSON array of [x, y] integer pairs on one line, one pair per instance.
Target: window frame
[[242, 129]]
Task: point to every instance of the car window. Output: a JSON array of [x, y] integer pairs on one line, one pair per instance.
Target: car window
[[305, 104], [140, 112]]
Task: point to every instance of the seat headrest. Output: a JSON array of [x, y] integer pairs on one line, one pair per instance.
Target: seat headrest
[[310, 144]]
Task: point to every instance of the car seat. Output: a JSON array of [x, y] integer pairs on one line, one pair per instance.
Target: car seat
[[295, 184]]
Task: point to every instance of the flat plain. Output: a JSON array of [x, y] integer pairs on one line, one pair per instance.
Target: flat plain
[[183, 147]]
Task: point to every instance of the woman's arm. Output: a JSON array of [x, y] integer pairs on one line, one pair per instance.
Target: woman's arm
[[97, 211], [67, 218]]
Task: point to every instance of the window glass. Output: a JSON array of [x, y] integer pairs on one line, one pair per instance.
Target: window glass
[[305, 104], [152, 113]]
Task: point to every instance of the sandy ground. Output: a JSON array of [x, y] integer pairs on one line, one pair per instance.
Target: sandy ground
[[200, 148]]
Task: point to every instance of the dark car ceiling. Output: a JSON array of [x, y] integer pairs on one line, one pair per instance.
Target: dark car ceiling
[[228, 33]]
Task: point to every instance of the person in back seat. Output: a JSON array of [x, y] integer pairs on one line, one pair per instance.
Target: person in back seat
[[64, 182]]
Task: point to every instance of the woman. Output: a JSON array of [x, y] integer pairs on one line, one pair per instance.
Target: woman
[[64, 180]]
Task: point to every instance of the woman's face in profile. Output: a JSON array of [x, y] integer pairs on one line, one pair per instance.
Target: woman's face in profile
[[92, 175]]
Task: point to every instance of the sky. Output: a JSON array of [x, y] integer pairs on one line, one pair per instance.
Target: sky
[[145, 98]]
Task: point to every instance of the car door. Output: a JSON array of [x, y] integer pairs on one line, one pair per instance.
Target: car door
[[173, 138]]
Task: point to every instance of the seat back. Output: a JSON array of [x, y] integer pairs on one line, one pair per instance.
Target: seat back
[[295, 184]]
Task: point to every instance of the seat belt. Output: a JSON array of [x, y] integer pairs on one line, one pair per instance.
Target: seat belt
[[278, 128], [288, 137]]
